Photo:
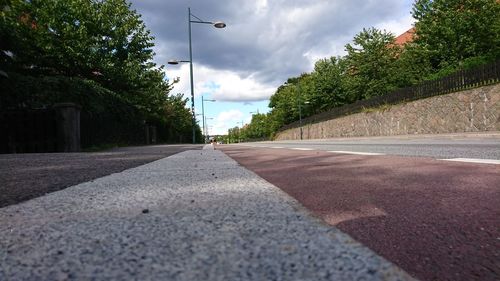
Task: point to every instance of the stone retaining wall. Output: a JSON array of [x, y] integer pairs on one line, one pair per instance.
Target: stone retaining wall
[[476, 110]]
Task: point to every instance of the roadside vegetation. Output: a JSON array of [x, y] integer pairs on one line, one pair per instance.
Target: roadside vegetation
[[97, 54], [449, 35]]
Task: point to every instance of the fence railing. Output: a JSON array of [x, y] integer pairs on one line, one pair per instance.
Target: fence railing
[[28, 131], [54, 129], [464, 79]]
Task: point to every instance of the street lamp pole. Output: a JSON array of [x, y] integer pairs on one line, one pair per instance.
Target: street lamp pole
[[239, 132], [193, 120], [217, 24], [206, 126], [203, 114], [203, 118], [300, 110]]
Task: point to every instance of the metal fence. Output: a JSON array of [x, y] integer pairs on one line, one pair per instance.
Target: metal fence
[[464, 79], [28, 131]]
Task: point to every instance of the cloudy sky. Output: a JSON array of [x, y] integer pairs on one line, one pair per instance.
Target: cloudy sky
[[265, 42]]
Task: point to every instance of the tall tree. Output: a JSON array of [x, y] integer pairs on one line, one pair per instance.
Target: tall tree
[[329, 90], [371, 62], [452, 31], [104, 41], [259, 127]]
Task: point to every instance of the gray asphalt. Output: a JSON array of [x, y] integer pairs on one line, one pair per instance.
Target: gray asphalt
[[196, 215], [478, 146], [28, 175]]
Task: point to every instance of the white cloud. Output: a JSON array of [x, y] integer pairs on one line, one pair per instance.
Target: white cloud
[[224, 121], [230, 115], [223, 85], [397, 26]]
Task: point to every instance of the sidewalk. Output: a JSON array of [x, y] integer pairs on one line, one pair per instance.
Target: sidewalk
[[196, 215]]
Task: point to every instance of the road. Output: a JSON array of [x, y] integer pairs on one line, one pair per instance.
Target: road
[[477, 146], [438, 220], [196, 215], [29, 175]]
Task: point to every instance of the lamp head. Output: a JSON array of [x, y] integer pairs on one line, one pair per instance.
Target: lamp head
[[173, 62], [219, 24]]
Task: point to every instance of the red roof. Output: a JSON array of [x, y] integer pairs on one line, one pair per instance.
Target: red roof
[[405, 37]]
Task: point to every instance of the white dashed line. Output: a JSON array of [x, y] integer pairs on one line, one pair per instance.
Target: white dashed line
[[357, 153], [277, 147], [302, 148], [471, 160]]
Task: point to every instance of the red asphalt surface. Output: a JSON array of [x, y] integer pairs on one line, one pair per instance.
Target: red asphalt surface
[[437, 220]]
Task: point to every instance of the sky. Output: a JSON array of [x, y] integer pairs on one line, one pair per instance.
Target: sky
[[264, 43]]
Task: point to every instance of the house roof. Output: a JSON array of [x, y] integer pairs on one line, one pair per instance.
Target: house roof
[[406, 37]]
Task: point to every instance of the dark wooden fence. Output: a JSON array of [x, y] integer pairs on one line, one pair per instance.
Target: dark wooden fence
[[464, 79]]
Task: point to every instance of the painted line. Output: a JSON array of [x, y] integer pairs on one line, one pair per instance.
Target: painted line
[[276, 147], [301, 148], [471, 160], [357, 153]]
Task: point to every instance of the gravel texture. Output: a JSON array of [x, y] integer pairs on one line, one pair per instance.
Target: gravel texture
[[26, 176], [196, 215]]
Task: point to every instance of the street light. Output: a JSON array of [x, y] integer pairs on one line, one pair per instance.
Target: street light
[[205, 129], [203, 114], [299, 101], [300, 117], [217, 24], [239, 131]]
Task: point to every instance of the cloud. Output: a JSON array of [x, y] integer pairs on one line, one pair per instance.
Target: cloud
[[222, 85], [264, 43], [225, 120]]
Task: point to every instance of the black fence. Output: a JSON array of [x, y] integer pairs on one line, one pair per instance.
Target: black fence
[[110, 128], [29, 131], [464, 79], [55, 129]]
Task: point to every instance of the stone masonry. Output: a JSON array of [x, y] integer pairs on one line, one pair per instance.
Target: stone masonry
[[475, 110]]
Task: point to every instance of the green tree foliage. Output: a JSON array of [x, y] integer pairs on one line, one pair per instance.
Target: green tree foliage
[[283, 103], [67, 45], [452, 31], [371, 61], [177, 125], [259, 128], [233, 135], [450, 34], [103, 41], [328, 89]]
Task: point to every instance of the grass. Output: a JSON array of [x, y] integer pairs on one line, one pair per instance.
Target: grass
[[382, 108]]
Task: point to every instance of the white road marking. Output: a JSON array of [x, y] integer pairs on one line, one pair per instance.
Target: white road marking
[[357, 153], [471, 160], [302, 148], [276, 147]]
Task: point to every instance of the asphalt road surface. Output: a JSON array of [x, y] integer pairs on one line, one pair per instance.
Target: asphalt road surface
[[196, 215], [27, 176], [438, 220], [472, 146]]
